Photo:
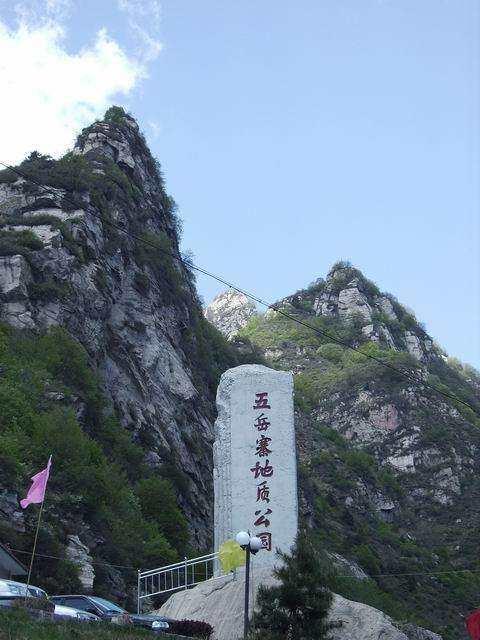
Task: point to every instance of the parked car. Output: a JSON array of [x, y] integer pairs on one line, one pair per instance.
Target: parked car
[[12, 592], [12, 588], [99, 607], [112, 612], [61, 612]]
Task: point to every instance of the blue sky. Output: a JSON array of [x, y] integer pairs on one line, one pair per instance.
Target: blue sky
[[294, 134]]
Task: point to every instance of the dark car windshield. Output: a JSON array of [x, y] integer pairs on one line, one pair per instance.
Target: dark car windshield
[[106, 605]]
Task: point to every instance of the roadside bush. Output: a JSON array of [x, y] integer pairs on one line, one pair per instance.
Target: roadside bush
[[192, 628]]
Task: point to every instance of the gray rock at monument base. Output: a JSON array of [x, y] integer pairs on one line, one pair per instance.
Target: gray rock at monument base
[[220, 602], [241, 472]]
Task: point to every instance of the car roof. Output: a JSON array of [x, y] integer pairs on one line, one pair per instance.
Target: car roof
[[21, 584], [71, 595]]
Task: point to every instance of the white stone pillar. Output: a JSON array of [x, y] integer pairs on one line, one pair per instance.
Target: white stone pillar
[[254, 456]]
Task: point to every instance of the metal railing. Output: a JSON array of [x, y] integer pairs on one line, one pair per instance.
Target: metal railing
[[173, 577]]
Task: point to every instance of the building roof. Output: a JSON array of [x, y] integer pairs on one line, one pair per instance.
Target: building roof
[[9, 564]]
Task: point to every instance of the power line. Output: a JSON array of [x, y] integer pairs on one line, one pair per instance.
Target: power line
[[378, 575], [258, 300], [93, 562], [415, 573]]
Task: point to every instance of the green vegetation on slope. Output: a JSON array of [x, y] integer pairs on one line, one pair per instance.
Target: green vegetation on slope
[[98, 476], [341, 481]]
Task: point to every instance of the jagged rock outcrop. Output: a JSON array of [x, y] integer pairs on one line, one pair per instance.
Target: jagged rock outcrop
[[91, 246], [230, 311], [388, 466], [79, 554]]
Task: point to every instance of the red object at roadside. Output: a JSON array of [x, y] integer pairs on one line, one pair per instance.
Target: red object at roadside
[[473, 625]]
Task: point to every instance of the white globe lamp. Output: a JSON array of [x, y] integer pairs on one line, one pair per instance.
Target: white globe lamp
[[243, 539], [255, 544]]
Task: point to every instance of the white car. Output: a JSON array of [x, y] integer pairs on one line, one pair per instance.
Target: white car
[[12, 588], [11, 591]]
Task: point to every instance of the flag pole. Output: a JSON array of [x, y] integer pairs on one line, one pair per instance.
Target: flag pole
[[34, 547]]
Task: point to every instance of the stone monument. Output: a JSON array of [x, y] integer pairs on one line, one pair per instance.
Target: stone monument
[[255, 469]]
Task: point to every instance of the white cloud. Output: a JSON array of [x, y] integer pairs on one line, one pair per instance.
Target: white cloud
[[49, 93], [155, 127], [37, 11], [144, 21]]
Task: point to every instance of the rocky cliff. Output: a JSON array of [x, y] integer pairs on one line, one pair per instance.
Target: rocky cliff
[[229, 312], [388, 467], [107, 361], [89, 244]]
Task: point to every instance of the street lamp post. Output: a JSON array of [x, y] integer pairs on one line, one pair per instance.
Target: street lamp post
[[250, 544]]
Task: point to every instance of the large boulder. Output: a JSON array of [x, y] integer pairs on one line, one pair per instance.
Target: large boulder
[[220, 602]]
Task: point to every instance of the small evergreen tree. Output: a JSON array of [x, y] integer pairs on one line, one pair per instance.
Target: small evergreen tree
[[297, 608]]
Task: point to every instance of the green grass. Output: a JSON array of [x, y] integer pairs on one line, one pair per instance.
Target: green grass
[[17, 625]]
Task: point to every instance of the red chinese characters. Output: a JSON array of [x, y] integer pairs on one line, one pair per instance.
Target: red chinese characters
[[262, 519], [263, 492], [263, 469], [261, 423], [266, 471], [266, 538], [262, 446], [261, 401]]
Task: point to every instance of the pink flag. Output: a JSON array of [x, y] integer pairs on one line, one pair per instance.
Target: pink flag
[[36, 493]]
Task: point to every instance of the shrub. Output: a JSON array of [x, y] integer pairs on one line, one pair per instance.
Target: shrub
[[155, 251], [48, 291], [100, 279], [25, 238], [297, 608], [192, 628], [7, 176], [159, 504], [360, 462], [115, 114], [367, 558], [331, 351]]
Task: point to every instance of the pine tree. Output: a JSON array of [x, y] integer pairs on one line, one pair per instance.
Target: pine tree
[[298, 606]]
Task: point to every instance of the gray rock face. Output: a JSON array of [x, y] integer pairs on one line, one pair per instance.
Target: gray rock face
[[11, 511], [135, 319], [15, 275], [414, 346], [220, 602], [79, 554], [417, 633], [230, 311], [352, 302]]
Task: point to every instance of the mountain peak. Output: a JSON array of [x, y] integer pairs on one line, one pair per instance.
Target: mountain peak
[[117, 138], [230, 311]]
